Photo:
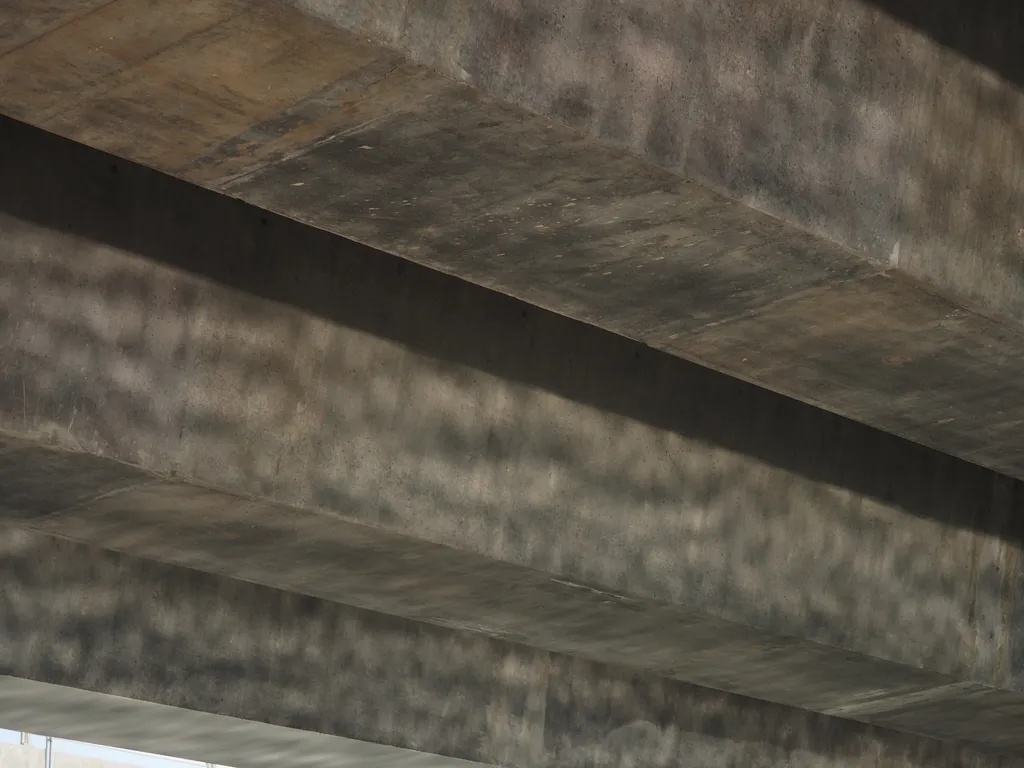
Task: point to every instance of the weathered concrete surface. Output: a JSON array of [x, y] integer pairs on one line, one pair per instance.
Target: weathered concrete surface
[[903, 158], [837, 116], [327, 558], [810, 559], [83, 618]]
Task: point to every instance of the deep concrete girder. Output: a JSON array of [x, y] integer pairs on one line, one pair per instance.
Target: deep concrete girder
[[400, 441], [889, 288], [213, 668]]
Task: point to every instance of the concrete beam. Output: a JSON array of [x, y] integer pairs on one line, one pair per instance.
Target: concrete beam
[[484, 465], [214, 663], [866, 255], [116, 721], [117, 507]]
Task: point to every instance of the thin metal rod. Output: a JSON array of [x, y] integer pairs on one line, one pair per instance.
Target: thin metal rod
[[48, 761]]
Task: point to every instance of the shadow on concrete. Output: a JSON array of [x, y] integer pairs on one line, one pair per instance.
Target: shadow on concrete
[[989, 32], [406, 398]]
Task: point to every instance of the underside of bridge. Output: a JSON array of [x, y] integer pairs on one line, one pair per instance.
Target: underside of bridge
[[530, 383]]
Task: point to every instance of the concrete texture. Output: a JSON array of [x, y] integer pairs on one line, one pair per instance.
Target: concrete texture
[[327, 558], [870, 156], [104, 623], [563, 487], [839, 116], [115, 721]]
